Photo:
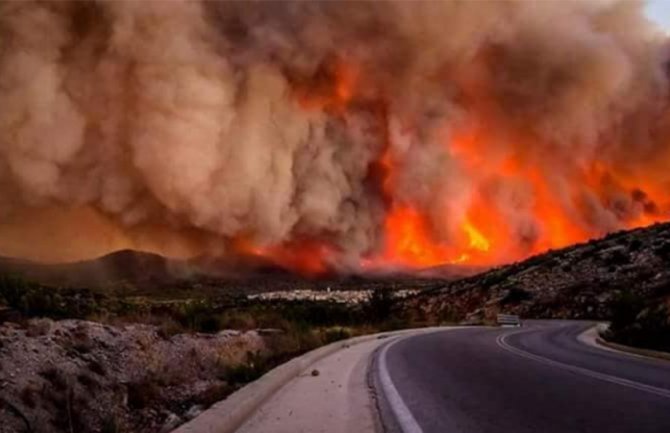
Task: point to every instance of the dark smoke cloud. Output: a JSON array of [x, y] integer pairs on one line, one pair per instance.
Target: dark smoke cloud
[[187, 115]]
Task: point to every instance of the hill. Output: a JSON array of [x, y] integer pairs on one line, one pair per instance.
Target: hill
[[589, 280], [134, 273], [122, 267]]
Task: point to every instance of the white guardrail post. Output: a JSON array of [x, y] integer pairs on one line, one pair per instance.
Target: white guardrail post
[[509, 320]]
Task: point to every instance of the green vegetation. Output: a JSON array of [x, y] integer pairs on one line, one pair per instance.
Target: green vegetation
[[636, 322], [35, 300], [256, 364], [206, 315], [289, 328]]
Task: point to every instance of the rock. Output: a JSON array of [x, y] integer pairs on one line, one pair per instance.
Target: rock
[[229, 333], [38, 327], [269, 331], [476, 317], [471, 322], [193, 412], [315, 372], [110, 365], [171, 423]]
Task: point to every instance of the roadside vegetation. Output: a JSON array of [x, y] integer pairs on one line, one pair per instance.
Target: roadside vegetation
[[302, 325], [639, 323], [31, 312], [623, 277], [25, 299]]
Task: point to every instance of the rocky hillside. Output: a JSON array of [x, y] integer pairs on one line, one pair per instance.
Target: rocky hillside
[[80, 376], [581, 281]]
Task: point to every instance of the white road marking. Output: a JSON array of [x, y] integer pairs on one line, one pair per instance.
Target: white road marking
[[402, 413], [501, 341]]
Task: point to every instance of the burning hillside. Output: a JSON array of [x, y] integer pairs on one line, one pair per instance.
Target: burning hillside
[[321, 135]]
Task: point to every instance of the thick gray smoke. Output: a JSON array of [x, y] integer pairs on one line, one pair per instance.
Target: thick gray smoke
[[267, 120]]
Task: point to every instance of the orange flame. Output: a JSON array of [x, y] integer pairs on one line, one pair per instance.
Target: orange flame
[[548, 214]]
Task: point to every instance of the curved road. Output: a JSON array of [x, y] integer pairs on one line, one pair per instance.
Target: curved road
[[535, 379]]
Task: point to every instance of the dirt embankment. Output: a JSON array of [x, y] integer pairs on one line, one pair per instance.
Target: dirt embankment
[[81, 376]]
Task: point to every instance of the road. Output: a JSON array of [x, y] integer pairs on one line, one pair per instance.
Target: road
[[535, 379]]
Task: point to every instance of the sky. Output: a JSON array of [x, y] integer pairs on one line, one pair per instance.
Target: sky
[[659, 11]]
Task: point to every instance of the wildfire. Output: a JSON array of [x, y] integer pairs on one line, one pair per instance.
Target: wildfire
[[477, 240], [330, 90], [408, 239], [308, 256], [410, 242], [482, 235], [332, 136]]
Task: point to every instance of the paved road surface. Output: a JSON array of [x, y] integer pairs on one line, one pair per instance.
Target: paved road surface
[[536, 379]]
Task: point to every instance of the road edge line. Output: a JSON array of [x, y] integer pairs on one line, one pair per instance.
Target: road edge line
[[228, 415], [502, 343], [591, 337], [403, 415], [634, 351]]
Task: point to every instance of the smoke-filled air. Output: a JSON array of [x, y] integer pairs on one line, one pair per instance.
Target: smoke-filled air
[[329, 135]]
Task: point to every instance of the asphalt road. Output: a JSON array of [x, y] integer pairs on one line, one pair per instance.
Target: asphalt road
[[535, 379]]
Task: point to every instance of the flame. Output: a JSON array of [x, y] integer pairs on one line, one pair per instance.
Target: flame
[[308, 257], [409, 240], [331, 90], [482, 232], [477, 240]]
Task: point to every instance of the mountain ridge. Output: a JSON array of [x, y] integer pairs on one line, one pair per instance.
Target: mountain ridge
[[579, 281]]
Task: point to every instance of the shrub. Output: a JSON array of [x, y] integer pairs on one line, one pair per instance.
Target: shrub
[[380, 304], [214, 393], [12, 290], [337, 333], [199, 316], [514, 295], [255, 366], [33, 299], [167, 326], [110, 425], [38, 327], [636, 322], [234, 319], [634, 245], [142, 393], [624, 309], [616, 257], [663, 250]]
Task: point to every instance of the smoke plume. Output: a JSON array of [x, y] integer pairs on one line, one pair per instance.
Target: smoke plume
[[345, 133]]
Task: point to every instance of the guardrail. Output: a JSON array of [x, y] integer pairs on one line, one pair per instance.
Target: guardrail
[[509, 320]]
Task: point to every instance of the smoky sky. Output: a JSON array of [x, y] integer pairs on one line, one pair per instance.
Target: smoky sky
[[267, 120]]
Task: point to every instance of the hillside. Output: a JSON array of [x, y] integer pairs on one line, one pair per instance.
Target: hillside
[[135, 268], [582, 281], [136, 273]]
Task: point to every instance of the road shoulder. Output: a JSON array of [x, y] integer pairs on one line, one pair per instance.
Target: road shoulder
[[337, 400], [592, 338]]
